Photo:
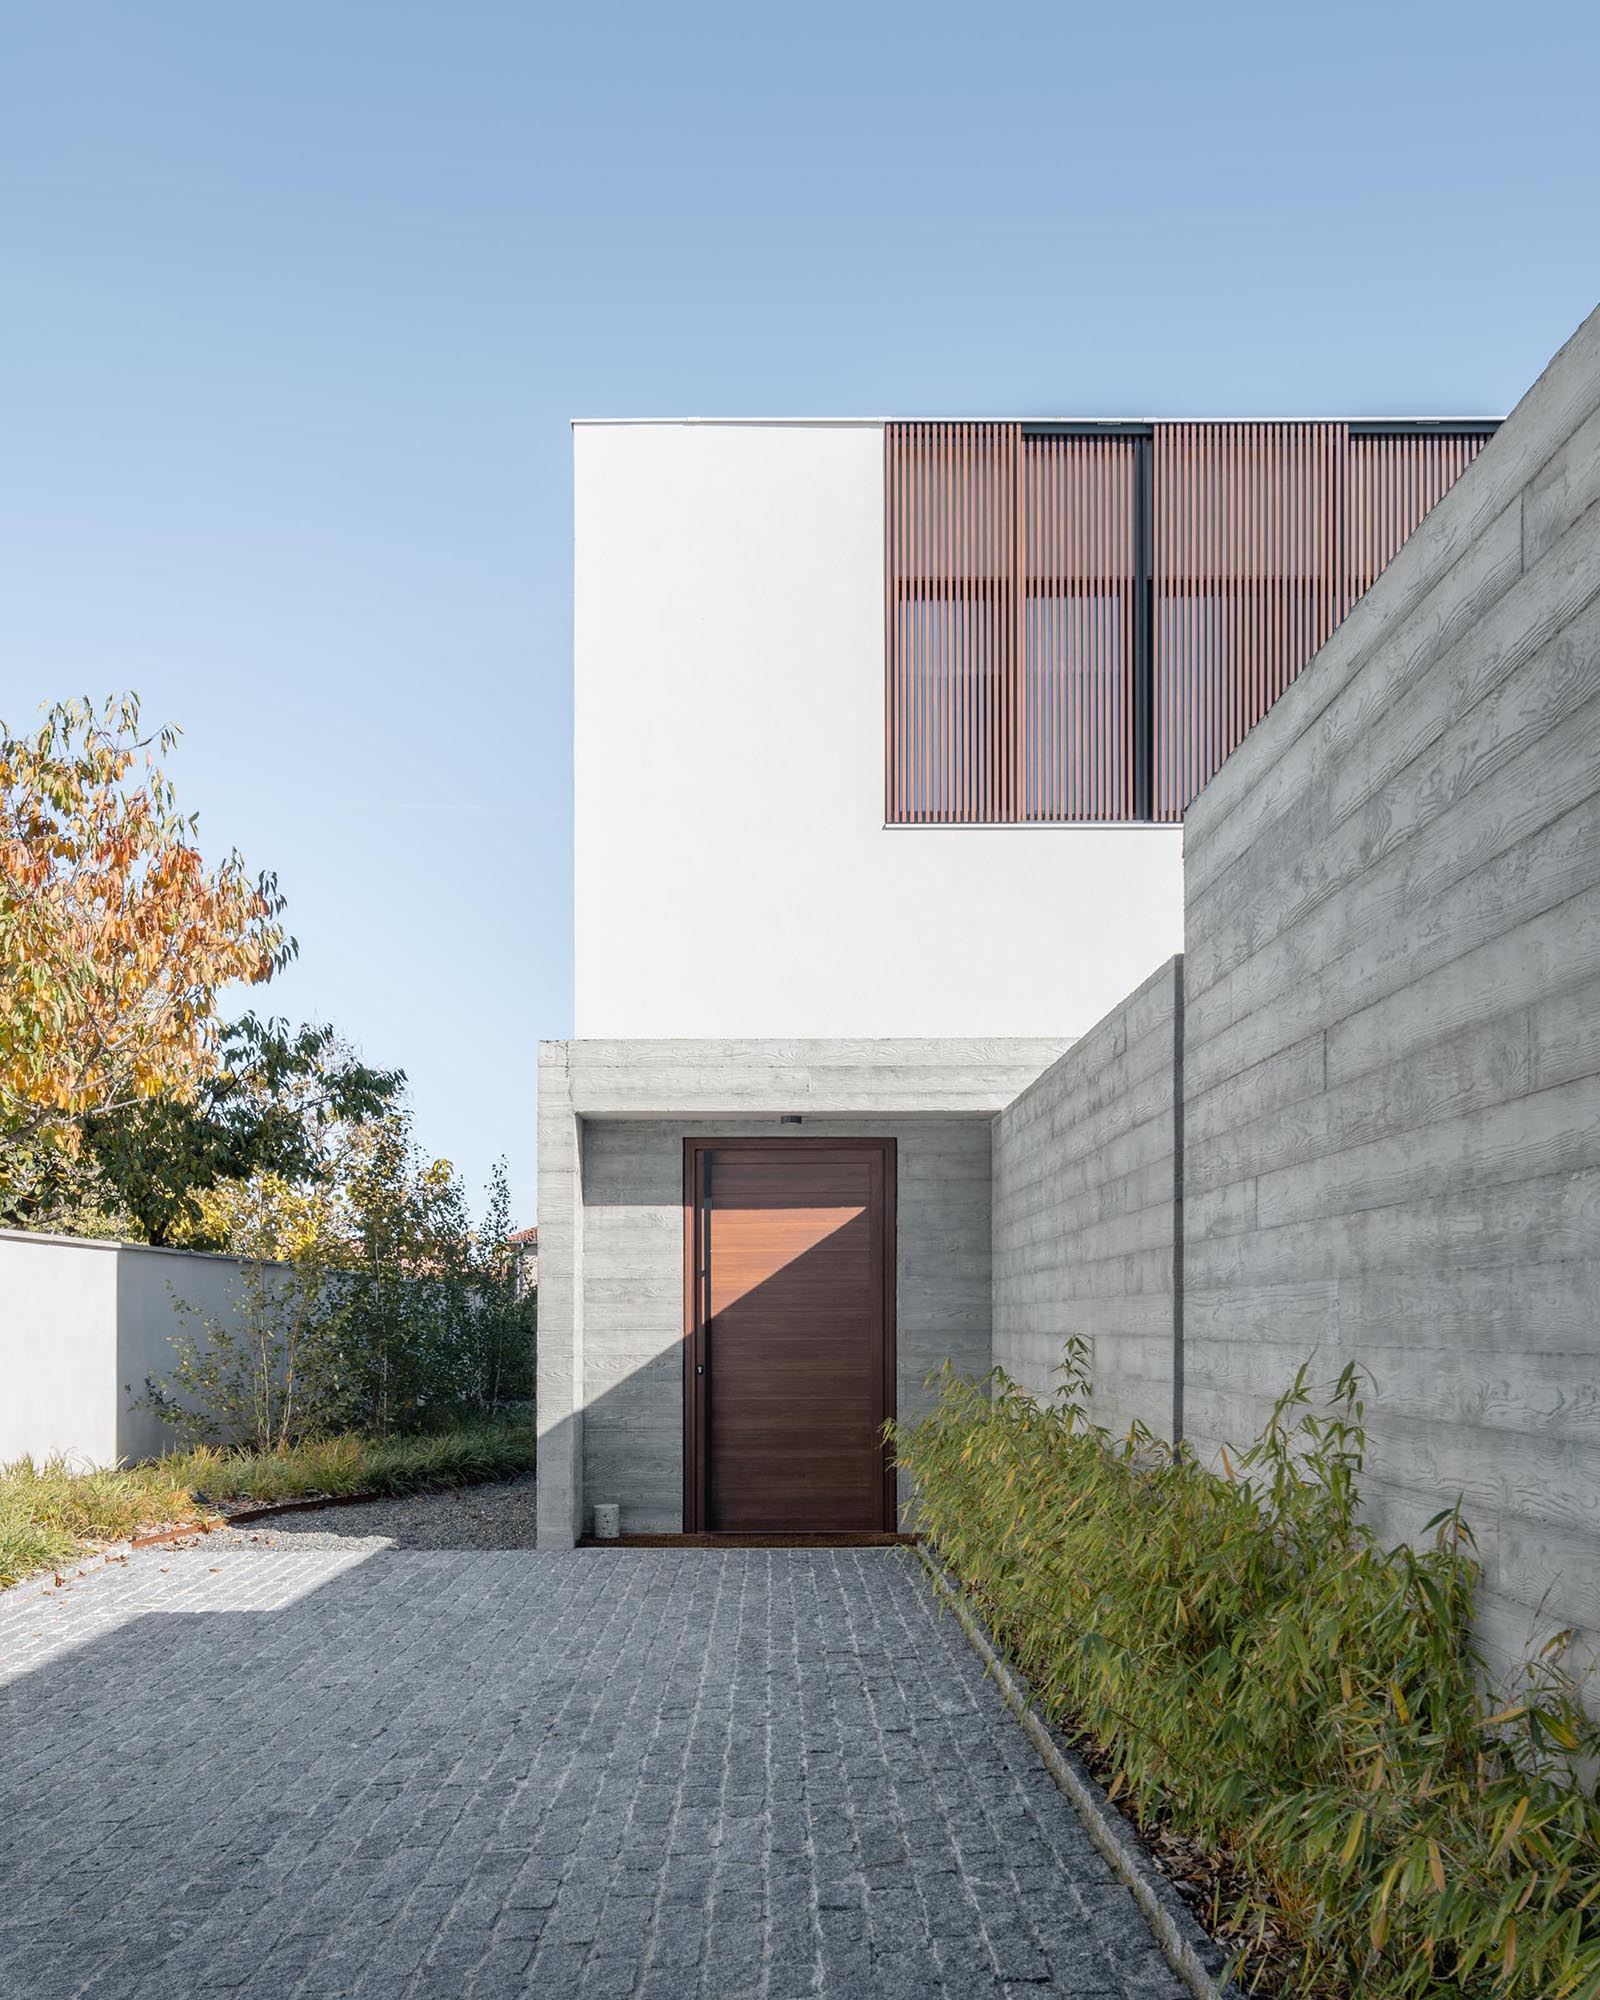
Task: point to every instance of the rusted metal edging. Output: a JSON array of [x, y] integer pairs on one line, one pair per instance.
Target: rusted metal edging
[[58, 1576], [238, 1517]]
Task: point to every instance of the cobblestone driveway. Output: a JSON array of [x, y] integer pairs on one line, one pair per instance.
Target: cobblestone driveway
[[283, 1772]]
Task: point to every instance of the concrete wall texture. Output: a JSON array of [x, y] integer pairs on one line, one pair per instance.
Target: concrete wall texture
[[1085, 1213], [1386, 1145], [1392, 1029], [612, 1119], [733, 875], [82, 1324], [633, 1285]]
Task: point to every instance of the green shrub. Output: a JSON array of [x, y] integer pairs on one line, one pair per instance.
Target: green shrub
[[262, 1374], [413, 1322], [1265, 1679]]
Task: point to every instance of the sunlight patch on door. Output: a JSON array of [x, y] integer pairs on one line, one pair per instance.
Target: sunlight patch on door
[[750, 1245]]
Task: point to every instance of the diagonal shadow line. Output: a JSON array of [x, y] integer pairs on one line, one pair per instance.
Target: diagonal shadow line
[[633, 1425], [179, 1767], [847, 1216], [805, 1451]]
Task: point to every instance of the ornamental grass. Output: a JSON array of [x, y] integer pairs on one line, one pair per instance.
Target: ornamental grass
[[1257, 1674], [50, 1511], [350, 1465], [53, 1511]]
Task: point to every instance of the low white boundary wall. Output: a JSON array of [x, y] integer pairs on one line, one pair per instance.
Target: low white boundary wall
[[82, 1324]]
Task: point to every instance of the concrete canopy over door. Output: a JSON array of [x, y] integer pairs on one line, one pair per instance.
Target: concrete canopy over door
[[613, 1120]]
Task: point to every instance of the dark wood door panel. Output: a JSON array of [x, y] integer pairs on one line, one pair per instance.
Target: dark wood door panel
[[789, 1356]]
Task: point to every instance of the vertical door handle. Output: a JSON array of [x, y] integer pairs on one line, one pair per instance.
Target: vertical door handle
[[705, 1259]]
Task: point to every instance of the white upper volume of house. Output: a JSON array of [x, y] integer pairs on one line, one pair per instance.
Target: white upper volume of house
[[734, 875]]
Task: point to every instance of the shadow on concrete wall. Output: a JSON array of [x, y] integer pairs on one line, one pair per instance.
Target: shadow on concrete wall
[[633, 1305], [794, 1403]]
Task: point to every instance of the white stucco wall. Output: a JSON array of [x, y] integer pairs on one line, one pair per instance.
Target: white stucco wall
[[733, 873], [82, 1325], [59, 1387], [150, 1285]]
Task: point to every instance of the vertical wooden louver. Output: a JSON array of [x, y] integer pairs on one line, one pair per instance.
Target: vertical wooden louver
[[951, 560], [1082, 623], [1246, 584], [1393, 481], [1075, 668], [1010, 569]]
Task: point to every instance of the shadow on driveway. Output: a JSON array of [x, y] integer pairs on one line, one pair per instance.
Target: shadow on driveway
[[290, 1770]]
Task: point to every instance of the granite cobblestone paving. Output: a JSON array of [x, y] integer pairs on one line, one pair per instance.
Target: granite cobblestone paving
[[255, 1773]]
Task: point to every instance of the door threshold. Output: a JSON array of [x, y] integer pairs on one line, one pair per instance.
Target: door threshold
[[841, 1538]]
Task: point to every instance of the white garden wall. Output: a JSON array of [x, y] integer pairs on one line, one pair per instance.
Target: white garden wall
[[81, 1326]]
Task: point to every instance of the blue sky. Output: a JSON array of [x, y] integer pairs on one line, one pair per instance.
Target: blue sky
[[298, 300]]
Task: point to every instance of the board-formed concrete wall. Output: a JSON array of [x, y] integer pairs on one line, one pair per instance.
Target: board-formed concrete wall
[[610, 1225], [1086, 1213], [82, 1325], [633, 1285], [1392, 1032]]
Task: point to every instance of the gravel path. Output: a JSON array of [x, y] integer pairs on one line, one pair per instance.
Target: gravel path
[[464, 1517]]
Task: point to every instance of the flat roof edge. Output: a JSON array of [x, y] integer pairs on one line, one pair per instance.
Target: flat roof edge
[[1450, 422]]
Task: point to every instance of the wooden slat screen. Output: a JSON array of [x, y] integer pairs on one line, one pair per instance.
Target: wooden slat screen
[[1076, 651], [951, 557], [1393, 482], [1010, 567], [1054, 657], [1246, 585]]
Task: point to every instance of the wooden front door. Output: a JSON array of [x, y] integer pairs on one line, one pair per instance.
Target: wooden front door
[[789, 1355]]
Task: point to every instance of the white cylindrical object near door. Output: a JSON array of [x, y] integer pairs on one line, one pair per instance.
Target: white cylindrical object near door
[[607, 1520]]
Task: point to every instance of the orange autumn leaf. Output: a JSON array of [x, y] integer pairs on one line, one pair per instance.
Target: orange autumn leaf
[[115, 937]]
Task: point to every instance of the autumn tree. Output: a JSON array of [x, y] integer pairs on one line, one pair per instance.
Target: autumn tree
[[114, 935]]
